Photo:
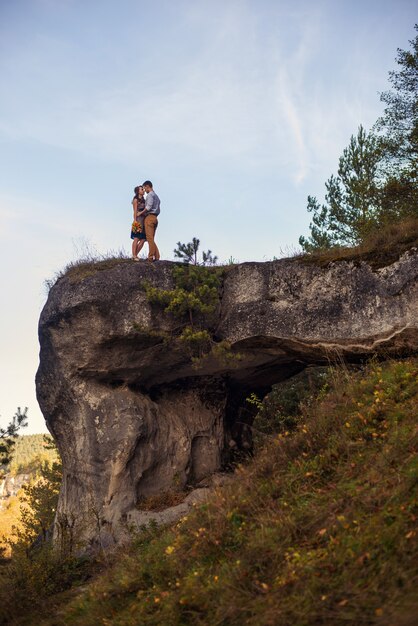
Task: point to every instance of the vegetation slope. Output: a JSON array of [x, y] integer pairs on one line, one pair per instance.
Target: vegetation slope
[[319, 528]]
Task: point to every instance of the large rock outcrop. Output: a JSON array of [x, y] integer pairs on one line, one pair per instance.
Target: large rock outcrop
[[131, 415]]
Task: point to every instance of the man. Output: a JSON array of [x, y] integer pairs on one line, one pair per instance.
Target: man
[[152, 209]]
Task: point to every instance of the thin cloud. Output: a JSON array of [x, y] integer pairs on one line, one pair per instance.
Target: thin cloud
[[221, 106], [294, 124], [248, 95]]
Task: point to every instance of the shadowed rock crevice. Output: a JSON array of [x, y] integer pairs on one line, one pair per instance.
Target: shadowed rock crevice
[[131, 414]]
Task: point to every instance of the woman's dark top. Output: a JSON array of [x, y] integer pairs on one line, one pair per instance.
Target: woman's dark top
[[140, 206]]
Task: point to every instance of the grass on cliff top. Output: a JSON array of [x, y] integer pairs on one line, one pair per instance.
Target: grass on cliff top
[[87, 265], [320, 528], [380, 249]]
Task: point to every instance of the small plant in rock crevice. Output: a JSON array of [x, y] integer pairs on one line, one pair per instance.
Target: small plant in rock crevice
[[194, 301]]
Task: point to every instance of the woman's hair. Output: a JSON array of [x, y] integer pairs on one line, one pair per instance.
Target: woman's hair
[[136, 190]]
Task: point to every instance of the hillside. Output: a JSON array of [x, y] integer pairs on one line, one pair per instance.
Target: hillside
[[320, 528]]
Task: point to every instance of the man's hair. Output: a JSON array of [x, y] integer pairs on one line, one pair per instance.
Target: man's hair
[[147, 182]]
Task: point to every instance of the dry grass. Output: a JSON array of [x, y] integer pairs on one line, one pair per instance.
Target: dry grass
[[161, 501], [88, 265], [380, 249], [80, 270]]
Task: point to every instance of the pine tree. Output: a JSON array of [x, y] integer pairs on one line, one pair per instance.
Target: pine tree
[[399, 123], [9, 434], [39, 502], [352, 198], [377, 181], [188, 253], [398, 136]]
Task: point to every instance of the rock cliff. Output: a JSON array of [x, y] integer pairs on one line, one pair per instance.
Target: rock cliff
[[133, 417], [10, 486]]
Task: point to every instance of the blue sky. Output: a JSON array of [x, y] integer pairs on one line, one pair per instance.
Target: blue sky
[[236, 110]]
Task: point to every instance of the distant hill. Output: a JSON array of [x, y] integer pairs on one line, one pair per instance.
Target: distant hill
[[29, 452]]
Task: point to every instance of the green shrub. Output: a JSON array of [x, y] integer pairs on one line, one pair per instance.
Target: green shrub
[[194, 301], [282, 409]]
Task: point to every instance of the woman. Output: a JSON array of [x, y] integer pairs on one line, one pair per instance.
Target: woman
[[138, 229]]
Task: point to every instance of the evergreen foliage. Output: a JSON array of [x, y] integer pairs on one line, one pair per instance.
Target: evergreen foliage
[[398, 136], [30, 452], [195, 296], [352, 199], [9, 434], [188, 253], [399, 122], [38, 506], [377, 181], [35, 456], [194, 302]]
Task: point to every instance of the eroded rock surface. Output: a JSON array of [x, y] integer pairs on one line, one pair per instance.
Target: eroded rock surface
[[131, 415]]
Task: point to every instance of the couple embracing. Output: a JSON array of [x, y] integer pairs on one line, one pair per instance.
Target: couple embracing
[[146, 209]]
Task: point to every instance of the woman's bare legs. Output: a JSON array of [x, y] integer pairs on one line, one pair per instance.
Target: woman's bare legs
[[137, 246], [140, 245]]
